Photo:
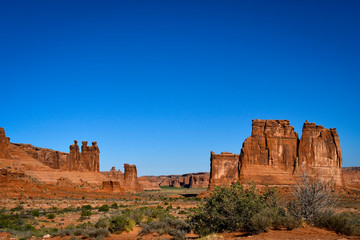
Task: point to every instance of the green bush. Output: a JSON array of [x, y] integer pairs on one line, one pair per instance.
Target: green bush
[[85, 213], [231, 209], [50, 216], [114, 206], [35, 213], [345, 223], [174, 227], [104, 208], [87, 207], [121, 223], [272, 218]]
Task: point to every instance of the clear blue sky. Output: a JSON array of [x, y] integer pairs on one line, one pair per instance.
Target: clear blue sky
[[160, 84]]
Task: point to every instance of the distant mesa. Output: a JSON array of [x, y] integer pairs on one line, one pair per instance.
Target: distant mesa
[[273, 155]]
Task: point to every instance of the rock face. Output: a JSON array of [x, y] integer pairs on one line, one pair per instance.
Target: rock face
[[131, 182], [274, 155], [127, 181], [225, 169], [188, 180], [270, 153], [320, 153], [199, 180], [51, 158], [4, 145], [86, 161], [112, 186], [89, 157], [352, 177], [147, 184], [74, 157]]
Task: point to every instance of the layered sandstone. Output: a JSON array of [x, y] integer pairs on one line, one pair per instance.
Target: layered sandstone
[[225, 169], [85, 161], [274, 155], [188, 180], [147, 184], [89, 157], [352, 177], [4, 145], [131, 182], [270, 153], [112, 186], [49, 157], [320, 153]]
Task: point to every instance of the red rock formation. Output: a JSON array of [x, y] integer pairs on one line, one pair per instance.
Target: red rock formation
[[74, 157], [49, 157], [199, 180], [112, 186], [4, 145], [352, 177], [131, 182], [224, 169], [273, 154], [188, 180], [270, 153], [320, 153], [115, 175], [147, 184], [89, 157]]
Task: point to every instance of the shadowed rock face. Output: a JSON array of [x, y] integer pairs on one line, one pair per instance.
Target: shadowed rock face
[[224, 169], [4, 145], [273, 154], [320, 153], [131, 182]]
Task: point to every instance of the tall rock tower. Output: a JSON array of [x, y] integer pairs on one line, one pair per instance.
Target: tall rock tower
[[320, 153]]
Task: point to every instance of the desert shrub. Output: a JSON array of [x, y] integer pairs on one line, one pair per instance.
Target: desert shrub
[[87, 207], [313, 196], [85, 213], [104, 208], [102, 223], [93, 233], [174, 227], [35, 213], [50, 216], [272, 218], [345, 223], [114, 206], [231, 209], [118, 224], [21, 235]]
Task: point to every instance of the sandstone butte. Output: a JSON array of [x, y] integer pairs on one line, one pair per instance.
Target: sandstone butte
[[72, 169], [274, 155]]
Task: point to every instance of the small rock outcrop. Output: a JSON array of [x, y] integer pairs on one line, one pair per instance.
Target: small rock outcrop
[[127, 181], [4, 145], [131, 182], [112, 186], [224, 169]]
